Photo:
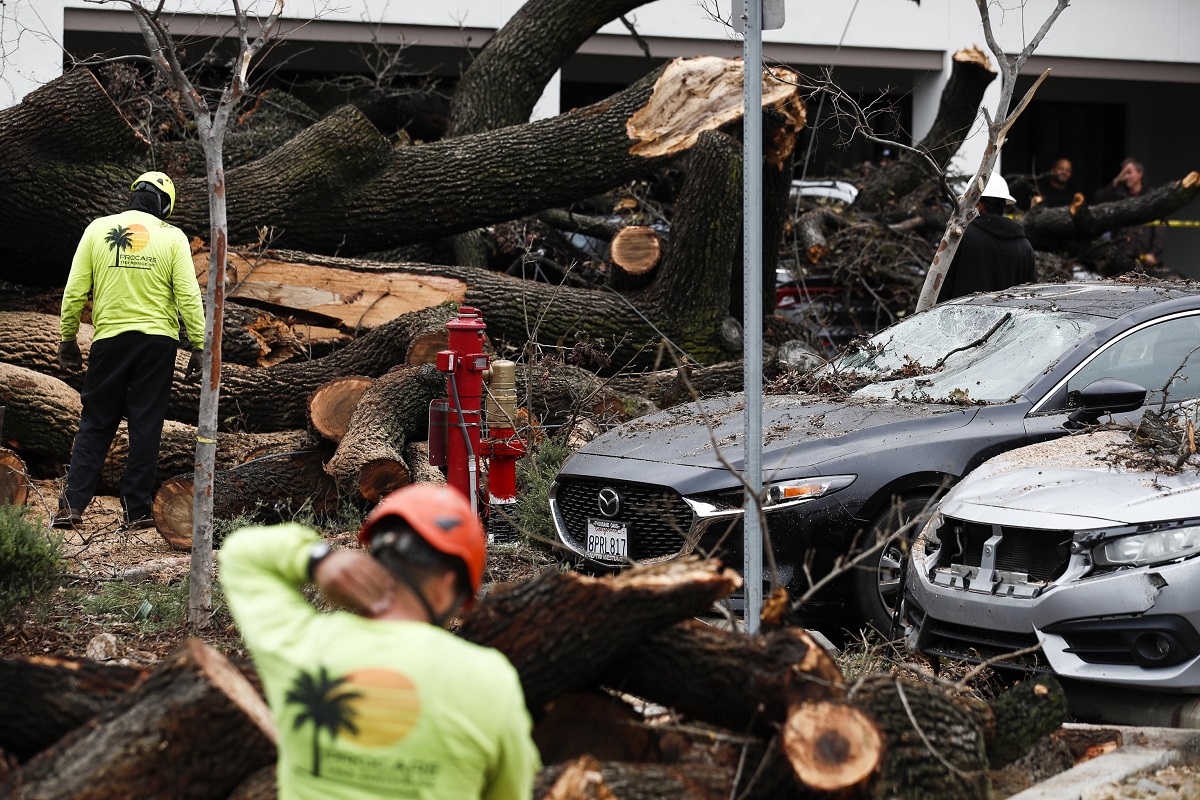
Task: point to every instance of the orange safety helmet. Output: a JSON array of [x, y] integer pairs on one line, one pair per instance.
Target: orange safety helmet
[[442, 517]]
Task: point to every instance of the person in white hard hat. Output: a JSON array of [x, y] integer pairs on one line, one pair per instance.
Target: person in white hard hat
[[994, 253]]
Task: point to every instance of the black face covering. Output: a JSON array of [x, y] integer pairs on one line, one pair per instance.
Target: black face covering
[[152, 201]]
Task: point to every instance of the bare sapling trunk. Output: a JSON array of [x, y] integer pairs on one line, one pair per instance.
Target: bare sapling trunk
[[997, 126], [210, 126]]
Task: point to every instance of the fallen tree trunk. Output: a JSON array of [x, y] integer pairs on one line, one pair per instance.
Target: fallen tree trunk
[[332, 405], [276, 398], [1022, 715], [268, 489], [735, 680], [47, 697], [41, 413], [14, 482], [30, 340], [177, 451], [1071, 228], [970, 73], [369, 461], [934, 745], [194, 729], [583, 623]]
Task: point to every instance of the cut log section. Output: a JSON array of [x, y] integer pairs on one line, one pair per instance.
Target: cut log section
[[832, 747], [257, 338], [735, 680], [634, 252], [41, 413], [14, 481], [332, 405], [934, 746], [1034, 708], [195, 728], [369, 461], [265, 490], [584, 622], [47, 697]]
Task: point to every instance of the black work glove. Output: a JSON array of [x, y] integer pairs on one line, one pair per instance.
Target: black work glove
[[195, 365], [69, 357]]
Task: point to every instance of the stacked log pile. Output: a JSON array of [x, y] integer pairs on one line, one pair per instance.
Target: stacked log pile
[[755, 716]]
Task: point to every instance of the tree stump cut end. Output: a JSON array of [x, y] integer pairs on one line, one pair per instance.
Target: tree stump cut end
[[832, 746]]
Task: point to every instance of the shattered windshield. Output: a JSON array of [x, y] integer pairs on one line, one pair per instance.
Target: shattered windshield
[[959, 353]]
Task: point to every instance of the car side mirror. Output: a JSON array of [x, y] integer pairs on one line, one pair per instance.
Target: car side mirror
[[1103, 396]]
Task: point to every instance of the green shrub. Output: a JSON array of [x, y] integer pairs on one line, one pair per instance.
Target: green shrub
[[535, 472], [30, 559]]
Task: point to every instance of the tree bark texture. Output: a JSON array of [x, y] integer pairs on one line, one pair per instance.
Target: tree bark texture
[[194, 729], [276, 398], [369, 461], [707, 230], [340, 186], [261, 785], [970, 74], [47, 697], [582, 623], [268, 489], [41, 413], [416, 458], [256, 338], [734, 680], [504, 82], [1034, 708], [14, 481], [30, 340], [177, 451], [934, 745]]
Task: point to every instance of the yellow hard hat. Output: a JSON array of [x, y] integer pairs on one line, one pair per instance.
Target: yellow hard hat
[[160, 181]]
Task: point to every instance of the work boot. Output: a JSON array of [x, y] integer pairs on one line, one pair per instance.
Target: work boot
[[66, 518]]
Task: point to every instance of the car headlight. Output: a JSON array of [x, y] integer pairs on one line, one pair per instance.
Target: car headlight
[[782, 494], [1154, 547]]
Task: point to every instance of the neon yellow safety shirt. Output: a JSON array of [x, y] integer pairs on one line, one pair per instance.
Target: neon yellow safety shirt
[[373, 708], [139, 271]]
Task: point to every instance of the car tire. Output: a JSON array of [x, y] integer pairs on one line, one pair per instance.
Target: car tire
[[875, 589]]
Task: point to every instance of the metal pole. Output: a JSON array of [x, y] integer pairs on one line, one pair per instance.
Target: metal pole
[[752, 309]]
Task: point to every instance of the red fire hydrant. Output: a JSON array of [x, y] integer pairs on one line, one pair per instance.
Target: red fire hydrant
[[464, 363], [455, 424]]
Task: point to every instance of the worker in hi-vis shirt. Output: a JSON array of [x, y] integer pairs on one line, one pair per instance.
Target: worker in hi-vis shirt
[[138, 269], [381, 701]]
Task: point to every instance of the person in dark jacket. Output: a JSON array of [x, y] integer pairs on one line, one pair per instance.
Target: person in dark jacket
[[994, 253], [1142, 243]]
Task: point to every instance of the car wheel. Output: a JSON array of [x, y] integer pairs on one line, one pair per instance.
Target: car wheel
[[875, 588]]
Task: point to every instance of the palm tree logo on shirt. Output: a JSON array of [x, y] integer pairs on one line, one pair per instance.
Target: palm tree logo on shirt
[[326, 704], [132, 238]]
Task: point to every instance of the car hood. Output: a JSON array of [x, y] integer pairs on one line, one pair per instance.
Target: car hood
[[799, 431], [1074, 483]]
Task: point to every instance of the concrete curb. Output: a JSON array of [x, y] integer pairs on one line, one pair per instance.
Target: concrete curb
[[1142, 749]]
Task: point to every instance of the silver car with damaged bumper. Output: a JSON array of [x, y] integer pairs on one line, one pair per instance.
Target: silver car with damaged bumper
[[1063, 545]]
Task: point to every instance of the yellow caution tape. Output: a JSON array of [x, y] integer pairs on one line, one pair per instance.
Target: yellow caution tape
[[1177, 223], [205, 440]]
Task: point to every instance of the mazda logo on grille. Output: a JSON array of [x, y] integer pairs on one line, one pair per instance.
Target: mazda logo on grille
[[609, 502]]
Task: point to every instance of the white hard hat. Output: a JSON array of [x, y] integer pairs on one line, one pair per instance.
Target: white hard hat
[[998, 187]]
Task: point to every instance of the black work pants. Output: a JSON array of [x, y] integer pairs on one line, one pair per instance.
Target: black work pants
[[129, 375]]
